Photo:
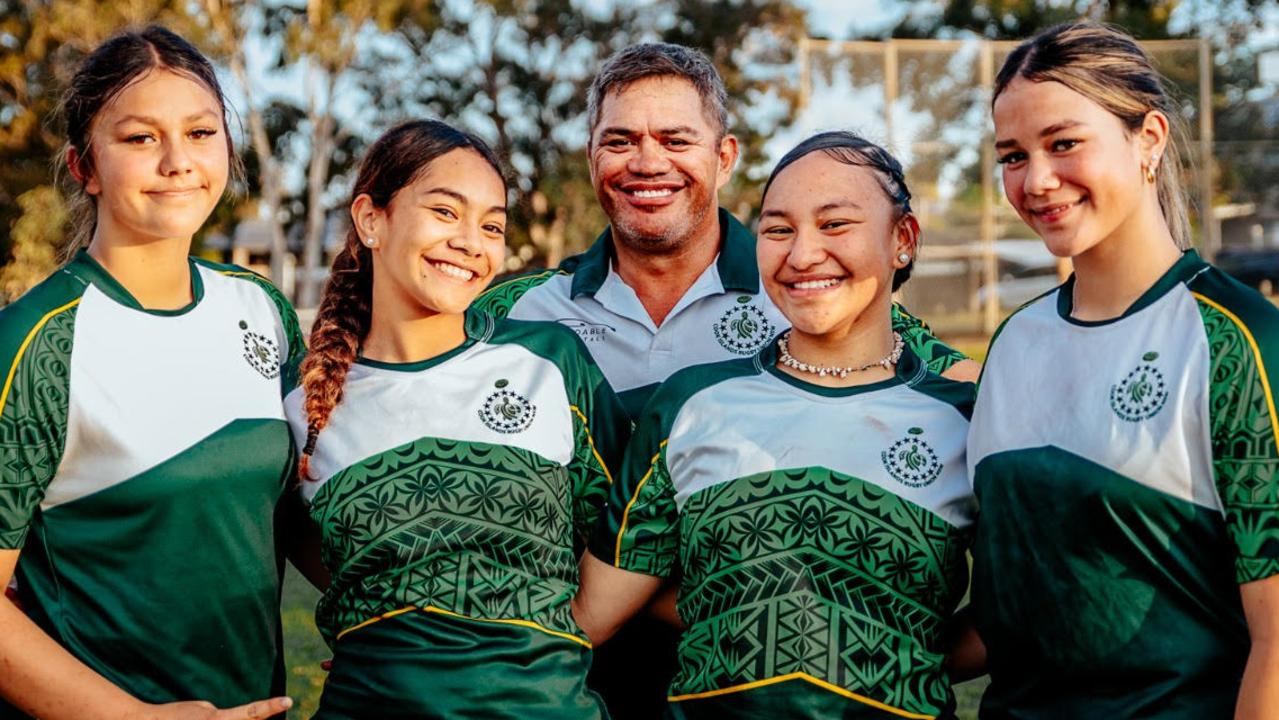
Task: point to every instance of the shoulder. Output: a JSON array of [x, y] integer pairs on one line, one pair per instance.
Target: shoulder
[[50, 304], [958, 395], [1235, 306], [679, 389], [1032, 312], [500, 297], [235, 272]]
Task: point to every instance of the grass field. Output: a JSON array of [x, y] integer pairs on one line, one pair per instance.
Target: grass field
[[305, 650]]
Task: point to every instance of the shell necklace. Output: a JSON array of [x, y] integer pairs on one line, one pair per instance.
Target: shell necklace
[[886, 362]]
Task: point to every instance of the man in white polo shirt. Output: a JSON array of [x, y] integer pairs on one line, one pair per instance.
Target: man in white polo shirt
[[672, 282]]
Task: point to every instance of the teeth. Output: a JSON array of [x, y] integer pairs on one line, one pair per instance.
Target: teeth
[[652, 193], [816, 284], [453, 271]]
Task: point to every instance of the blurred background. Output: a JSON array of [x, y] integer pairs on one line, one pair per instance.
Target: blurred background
[[312, 82]]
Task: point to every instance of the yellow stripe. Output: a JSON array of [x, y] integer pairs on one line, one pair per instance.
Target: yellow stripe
[[239, 273], [459, 616], [591, 441], [1261, 366], [652, 465], [22, 349], [807, 678]]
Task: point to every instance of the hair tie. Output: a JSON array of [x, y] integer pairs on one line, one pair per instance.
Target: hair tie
[[312, 432]]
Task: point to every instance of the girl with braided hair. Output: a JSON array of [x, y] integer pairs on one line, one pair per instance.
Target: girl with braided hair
[[452, 462]]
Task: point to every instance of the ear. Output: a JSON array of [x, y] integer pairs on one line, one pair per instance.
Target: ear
[[728, 152], [1152, 136], [75, 166], [906, 236], [369, 221]]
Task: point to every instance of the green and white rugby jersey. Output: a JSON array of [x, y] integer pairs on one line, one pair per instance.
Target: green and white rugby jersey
[[143, 456], [819, 535], [724, 315], [453, 496], [1126, 472]]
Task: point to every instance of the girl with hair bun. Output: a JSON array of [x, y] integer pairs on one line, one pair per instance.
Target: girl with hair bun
[[452, 462], [813, 500], [1123, 446], [143, 444]]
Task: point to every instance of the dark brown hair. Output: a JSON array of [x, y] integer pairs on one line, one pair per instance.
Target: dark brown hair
[[1109, 67], [109, 70], [647, 60], [390, 164]]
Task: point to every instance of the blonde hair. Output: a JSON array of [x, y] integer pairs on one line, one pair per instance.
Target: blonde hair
[[1109, 67]]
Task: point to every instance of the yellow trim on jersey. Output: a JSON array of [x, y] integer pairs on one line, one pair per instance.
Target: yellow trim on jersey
[[1256, 351], [459, 616], [240, 273], [621, 531], [591, 441], [22, 349], [807, 678]]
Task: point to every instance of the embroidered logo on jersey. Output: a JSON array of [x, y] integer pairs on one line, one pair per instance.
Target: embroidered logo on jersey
[[911, 461], [589, 332], [743, 329], [1142, 393], [261, 352], [506, 411]]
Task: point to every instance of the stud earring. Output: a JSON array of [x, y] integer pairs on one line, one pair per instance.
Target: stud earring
[[370, 241], [903, 258]]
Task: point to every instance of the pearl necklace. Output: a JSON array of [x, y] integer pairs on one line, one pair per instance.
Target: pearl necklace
[[886, 362]]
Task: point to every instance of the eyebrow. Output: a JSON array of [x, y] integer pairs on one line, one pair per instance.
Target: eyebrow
[[675, 130], [147, 120], [835, 205], [460, 198], [1050, 130]]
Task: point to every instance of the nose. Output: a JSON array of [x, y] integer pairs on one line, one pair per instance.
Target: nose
[[467, 239], [175, 159], [649, 158], [806, 250], [1040, 176]]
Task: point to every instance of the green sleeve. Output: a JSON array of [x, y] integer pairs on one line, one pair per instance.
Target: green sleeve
[[639, 529], [920, 339], [33, 410], [601, 429], [1243, 347], [500, 297]]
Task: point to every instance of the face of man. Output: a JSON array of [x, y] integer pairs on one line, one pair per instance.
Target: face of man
[[657, 164]]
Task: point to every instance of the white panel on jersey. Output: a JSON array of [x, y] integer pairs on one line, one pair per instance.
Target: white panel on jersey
[[383, 409], [702, 328], [759, 424], [1049, 382], [145, 387]]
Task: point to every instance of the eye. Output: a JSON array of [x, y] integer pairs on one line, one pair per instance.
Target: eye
[[1011, 158], [678, 142], [202, 133], [617, 142], [1064, 144], [494, 229], [835, 224], [138, 138], [777, 232], [444, 212]]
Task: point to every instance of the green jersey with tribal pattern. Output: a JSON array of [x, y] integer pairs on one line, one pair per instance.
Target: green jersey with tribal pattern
[[819, 535], [1128, 476], [453, 496], [724, 315], [144, 455]]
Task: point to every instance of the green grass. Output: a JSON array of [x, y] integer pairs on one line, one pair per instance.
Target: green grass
[[304, 650]]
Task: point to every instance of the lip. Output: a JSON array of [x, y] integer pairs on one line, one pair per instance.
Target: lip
[[175, 192], [449, 270], [641, 194], [1051, 213]]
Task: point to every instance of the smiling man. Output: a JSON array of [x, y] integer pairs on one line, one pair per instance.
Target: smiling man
[[672, 282]]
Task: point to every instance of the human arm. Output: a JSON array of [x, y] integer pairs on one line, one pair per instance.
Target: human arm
[[609, 596], [39, 677], [663, 606], [302, 540], [1259, 693], [965, 651]]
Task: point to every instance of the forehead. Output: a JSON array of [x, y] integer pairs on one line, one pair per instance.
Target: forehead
[[817, 179], [464, 171], [1026, 107], [652, 102], [163, 93]]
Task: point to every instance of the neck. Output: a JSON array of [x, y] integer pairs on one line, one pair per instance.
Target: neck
[[660, 280], [867, 340], [1111, 275], [400, 335], [156, 274]]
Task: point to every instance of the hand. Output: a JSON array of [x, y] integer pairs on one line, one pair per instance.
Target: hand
[[201, 710]]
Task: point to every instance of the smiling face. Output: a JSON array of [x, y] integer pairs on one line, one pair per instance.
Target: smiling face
[[657, 164], [828, 244], [440, 239], [1071, 169], [159, 160]]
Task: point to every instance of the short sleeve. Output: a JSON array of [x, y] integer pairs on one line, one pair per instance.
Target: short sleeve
[[601, 429], [917, 336], [292, 330], [639, 529], [33, 413], [1243, 425]]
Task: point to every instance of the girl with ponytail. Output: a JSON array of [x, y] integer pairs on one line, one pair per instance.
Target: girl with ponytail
[[453, 463]]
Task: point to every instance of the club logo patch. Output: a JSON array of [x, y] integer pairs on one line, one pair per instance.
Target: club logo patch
[[1142, 393], [589, 332], [743, 329], [506, 411], [911, 461], [261, 352]]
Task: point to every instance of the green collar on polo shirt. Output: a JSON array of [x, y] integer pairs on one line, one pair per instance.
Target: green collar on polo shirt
[[736, 263]]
